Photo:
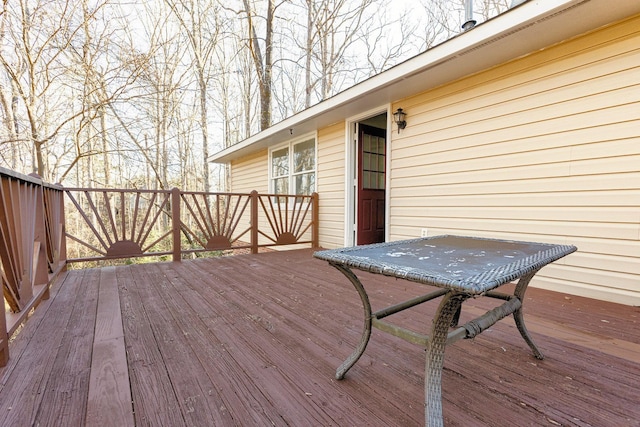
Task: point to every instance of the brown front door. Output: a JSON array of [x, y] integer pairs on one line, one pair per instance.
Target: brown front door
[[371, 184]]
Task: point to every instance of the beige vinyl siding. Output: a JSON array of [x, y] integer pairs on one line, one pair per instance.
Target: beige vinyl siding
[[251, 173], [546, 148], [330, 180], [248, 174]]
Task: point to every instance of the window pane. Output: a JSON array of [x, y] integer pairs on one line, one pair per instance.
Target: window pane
[[304, 156], [281, 186], [305, 183], [280, 162]]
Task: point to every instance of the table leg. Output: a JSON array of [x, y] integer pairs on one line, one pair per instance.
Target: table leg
[[366, 333], [518, 315], [435, 358]]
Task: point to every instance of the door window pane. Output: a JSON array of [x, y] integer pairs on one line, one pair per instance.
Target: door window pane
[[373, 162]]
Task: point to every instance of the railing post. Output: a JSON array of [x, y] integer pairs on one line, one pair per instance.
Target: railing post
[[315, 217], [175, 224], [254, 222], [62, 250]]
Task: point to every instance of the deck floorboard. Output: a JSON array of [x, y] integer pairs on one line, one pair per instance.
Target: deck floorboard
[[254, 340]]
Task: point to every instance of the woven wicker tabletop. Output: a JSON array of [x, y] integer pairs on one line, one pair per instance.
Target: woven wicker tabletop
[[465, 264]]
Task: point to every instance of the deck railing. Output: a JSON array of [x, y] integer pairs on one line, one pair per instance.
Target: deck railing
[[41, 230], [112, 223], [32, 247]]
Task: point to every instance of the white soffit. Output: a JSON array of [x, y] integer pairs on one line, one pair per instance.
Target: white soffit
[[532, 26]]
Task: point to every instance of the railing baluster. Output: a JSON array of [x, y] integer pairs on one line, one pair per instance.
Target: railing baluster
[[123, 217], [201, 225], [40, 261], [96, 212], [110, 214], [215, 224], [134, 220], [155, 218], [207, 226], [236, 215], [143, 226], [225, 218]]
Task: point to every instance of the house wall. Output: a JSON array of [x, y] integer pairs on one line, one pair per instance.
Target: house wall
[[251, 173], [331, 185], [248, 174], [544, 148]]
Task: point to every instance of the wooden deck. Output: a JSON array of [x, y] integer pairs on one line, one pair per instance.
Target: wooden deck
[[254, 340]]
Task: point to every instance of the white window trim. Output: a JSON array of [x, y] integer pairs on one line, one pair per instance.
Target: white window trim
[[290, 143]]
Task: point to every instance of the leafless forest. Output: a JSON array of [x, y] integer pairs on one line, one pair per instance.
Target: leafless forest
[[137, 94]]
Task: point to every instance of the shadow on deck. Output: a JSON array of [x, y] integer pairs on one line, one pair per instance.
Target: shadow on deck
[[254, 340]]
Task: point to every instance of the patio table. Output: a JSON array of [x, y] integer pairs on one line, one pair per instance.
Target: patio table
[[461, 267]]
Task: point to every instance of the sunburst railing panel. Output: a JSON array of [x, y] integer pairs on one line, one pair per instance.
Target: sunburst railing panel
[[107, 224], [216, 221], [110, 224], [287, 219]]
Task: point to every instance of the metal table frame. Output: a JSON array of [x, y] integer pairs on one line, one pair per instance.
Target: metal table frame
[[454, 290]]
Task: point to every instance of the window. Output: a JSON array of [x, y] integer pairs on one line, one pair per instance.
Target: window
[[293, 168]]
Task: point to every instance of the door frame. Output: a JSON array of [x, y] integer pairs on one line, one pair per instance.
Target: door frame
[[351, 172]]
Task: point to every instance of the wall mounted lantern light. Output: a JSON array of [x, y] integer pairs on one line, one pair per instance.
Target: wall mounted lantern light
[[399, 117]]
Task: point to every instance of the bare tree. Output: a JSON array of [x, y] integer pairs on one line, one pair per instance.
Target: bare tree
[[333, 29], [33, 49], [51, 60], [199, 20], [262, 55], [8, 105]]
